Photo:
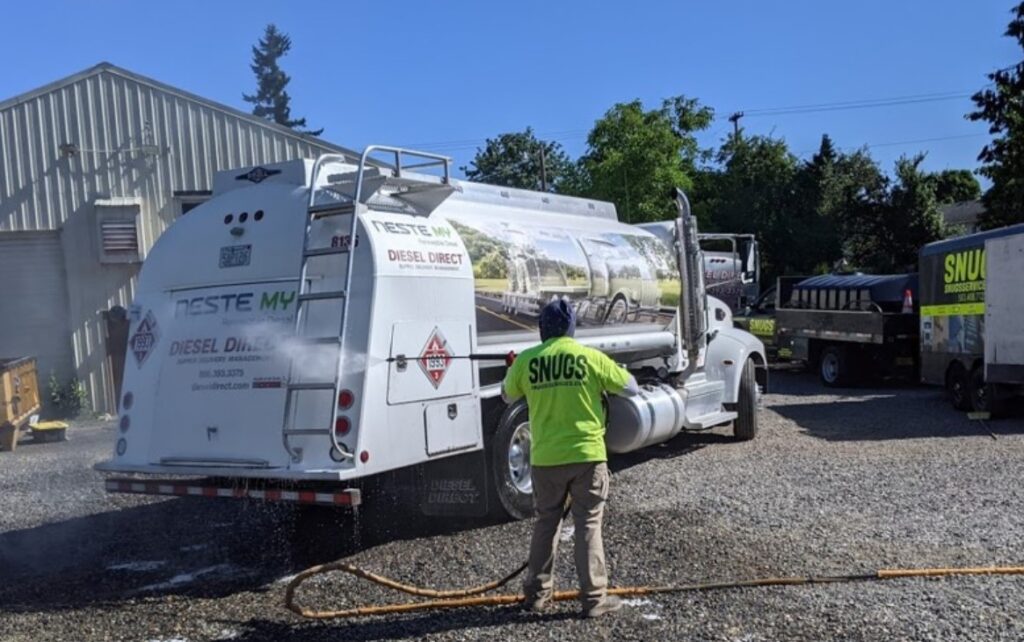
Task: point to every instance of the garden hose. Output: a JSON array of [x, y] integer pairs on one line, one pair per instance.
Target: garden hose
[[456, 598]]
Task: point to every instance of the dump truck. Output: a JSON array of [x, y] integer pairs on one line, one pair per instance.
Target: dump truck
[[850, 326], [972, 318], [319, 331]]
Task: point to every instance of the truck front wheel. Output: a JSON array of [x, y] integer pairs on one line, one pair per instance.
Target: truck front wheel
[[744, 427], [510, 462]]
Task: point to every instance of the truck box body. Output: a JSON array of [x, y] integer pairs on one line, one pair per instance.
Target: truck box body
[[953, 299], [1004, 309], [214, 350]]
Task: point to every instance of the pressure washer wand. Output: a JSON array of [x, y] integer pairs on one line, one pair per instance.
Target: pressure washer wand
[[507, 357]]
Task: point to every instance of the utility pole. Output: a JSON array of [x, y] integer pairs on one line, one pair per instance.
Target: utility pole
[[735, 120], [543, 169]]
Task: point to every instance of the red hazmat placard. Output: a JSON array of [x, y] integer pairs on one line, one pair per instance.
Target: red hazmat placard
[[435, 358]]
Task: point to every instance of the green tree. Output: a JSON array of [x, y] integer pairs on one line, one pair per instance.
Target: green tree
[[271, 100], [886, 233], [1002, 106], [514, 160], [635, 156], [955, 186], [754, 192]]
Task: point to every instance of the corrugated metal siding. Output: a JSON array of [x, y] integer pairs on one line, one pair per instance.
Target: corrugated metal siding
[[109, 116], [33, 303]]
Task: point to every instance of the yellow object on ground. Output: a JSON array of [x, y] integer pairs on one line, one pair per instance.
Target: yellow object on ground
[[49, 430], [473, 596]]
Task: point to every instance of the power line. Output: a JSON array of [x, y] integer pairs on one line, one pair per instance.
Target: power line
[[861, 104], [902, 142], [563, 136]]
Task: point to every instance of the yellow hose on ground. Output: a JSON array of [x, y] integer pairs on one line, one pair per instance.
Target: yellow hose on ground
[[457, 598]]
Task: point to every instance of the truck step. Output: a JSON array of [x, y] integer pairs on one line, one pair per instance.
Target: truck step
[[333, 209], [325, 251], [320, 341], [307, 431], [322, 296], [313, 386], [709, 420]]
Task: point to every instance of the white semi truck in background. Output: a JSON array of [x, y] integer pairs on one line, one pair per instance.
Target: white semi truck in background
[[317, 328]]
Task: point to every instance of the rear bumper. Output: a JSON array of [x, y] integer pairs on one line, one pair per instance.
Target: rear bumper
[[281, 474], [350, 497]]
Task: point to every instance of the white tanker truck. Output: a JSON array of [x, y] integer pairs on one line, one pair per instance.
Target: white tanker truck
[[317, 329]]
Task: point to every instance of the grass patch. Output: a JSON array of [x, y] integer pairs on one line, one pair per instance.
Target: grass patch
[[491, 285]]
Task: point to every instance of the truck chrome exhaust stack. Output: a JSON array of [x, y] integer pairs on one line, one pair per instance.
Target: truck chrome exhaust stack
[[693, 302]]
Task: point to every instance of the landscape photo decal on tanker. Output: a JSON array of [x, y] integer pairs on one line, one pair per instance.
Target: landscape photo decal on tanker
[[610, 278]]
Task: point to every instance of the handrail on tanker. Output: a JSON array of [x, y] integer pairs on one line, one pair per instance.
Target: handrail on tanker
[[431, 160]]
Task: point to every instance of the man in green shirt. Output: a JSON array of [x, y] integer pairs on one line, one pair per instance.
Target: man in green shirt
[[564, 382]]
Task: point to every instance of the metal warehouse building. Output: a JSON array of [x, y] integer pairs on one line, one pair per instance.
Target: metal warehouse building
[[93, 168]]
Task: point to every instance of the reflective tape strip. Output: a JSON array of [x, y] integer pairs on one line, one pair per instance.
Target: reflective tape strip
[[348, 497], [952, 309]]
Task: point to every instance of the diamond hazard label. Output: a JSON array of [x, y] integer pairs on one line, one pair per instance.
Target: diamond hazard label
[[435, 358], [144, 340]]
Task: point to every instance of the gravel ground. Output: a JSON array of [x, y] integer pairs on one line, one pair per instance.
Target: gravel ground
[[837, 482]]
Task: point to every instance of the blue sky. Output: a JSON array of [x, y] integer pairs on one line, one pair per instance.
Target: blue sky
[[446, 75]]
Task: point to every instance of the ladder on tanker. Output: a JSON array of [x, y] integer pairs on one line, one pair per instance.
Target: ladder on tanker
[[388, 187]]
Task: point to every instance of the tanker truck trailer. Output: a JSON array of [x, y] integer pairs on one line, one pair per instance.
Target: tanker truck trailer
[[320, 330]]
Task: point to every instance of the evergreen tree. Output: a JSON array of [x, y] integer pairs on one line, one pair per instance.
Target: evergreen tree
[[1003, 107], [271, 100], [514, 160]]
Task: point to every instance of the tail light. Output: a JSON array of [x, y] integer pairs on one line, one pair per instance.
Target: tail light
[[341, 426], [345, 399], [908, 302]]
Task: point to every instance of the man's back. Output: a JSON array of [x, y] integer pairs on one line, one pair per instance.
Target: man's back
[[563, 382]]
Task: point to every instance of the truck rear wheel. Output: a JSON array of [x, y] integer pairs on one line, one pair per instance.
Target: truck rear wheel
[[984, 396], [958, 387], [510, 463], [834, 366], [744, 427]]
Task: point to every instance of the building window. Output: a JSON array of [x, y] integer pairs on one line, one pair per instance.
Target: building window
[[189, 200], [188, 206]]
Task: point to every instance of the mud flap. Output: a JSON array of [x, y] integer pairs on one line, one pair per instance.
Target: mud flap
[[455, 486]]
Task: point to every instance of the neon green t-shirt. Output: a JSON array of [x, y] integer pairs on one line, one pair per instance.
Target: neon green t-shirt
[[563, 381]]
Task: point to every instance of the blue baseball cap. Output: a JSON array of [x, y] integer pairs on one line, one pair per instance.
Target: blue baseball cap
[[557, 319]]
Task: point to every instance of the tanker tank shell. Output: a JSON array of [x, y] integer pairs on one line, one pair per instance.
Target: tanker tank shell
[[612, 273]]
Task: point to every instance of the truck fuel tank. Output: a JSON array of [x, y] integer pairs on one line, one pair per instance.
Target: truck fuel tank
[[653, 416]]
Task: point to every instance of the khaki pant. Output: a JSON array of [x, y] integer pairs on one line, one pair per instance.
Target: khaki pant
[[587, 484]]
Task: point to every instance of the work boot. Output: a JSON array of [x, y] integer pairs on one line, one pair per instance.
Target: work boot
[[609, 604], [536, 604]]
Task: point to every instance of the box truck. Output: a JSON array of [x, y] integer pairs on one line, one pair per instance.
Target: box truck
[[972, 307], [320, 328]]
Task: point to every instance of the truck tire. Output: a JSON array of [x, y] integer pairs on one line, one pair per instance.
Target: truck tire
[[510, 463], [958, 387], [834, 366], [984, 396], [744, 427]]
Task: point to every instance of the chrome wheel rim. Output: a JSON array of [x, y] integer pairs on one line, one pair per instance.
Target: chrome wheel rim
[[829, 368], [519, 459]]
